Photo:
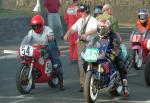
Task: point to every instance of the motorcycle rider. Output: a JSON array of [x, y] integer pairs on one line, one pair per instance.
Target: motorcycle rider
[[41, 34], [104, 31], [142, 24]]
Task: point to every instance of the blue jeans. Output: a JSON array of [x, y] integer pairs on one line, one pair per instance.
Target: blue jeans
[[54, 22], [53, 52]]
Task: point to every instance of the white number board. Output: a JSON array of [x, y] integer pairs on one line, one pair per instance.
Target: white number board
[[26, 50]]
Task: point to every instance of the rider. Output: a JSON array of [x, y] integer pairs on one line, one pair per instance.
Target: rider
[[143, 22], [104, 30], [41, 34]]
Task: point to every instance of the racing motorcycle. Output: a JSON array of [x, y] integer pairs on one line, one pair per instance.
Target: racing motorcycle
[[36, 67], [146, 48], [136, 39], [101, 72]]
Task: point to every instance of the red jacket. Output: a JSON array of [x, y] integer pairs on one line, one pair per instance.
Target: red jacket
[[142, 28], [71, 15]]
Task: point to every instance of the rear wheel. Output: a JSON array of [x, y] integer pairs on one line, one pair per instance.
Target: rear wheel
[[23, 83], [90, 88], [147, 72], [54, 82], [137, 59]]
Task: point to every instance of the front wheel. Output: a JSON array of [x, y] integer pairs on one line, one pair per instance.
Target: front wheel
[[90, 88], [23, 83], [137, 59], [147, 72]]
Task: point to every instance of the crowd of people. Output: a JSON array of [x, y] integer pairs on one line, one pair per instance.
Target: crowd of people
[[81, 26]]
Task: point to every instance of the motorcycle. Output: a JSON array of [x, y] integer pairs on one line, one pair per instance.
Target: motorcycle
[[136, 39], [36, 67], [146, 48], [101, 72]]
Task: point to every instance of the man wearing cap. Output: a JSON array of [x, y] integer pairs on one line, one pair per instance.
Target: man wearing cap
[[83, 26], [98, 10], [70, 17]]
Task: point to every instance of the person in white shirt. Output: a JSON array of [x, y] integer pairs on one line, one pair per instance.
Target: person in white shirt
[[41, 34], [84, 26]]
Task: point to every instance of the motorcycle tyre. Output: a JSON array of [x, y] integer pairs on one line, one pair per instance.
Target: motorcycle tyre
[[18, 81], [134, 63], [87, 87], [147, 72]]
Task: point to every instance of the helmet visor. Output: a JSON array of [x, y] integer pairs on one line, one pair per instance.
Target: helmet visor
[[36, 27], [142, 16], [102, 30]]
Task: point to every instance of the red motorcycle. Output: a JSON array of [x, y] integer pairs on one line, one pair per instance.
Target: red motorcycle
[[146, 48], [36, 68], [137, 39]]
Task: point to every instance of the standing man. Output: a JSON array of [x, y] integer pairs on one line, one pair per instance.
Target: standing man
[[54, 21], [108, 14], [83, 26], [70, 17]]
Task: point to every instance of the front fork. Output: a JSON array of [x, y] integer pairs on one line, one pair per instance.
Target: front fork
[[96, 72], [31, 67]]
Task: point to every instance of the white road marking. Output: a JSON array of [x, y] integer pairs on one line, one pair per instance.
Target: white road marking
[[21, 98], [10, 52], [116, 99], [132, 74], [8, 57]]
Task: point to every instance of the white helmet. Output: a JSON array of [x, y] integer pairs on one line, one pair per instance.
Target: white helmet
[[103, 27]]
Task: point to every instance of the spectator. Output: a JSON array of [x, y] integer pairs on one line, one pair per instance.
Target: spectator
[[98, 10], [108, 14], [83, 26], [70, 17], [54, 21]]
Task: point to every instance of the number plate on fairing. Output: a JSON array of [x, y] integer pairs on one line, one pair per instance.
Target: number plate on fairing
[[91, 54], [26, 50]]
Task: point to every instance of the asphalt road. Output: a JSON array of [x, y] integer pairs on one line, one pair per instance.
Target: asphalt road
[[139, 92]]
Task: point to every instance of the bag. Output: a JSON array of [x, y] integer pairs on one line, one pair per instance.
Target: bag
[[83, 30]]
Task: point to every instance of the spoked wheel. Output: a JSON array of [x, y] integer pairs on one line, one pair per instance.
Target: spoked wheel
[[137, 59], [23, 83], [147, 72], [90, 88]]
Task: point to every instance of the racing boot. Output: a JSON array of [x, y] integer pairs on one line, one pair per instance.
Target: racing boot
[[125, 88]]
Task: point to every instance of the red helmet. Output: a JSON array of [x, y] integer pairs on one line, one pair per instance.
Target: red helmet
[[37, 23]]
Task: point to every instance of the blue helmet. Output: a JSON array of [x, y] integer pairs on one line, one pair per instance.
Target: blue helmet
[[98, 10]]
